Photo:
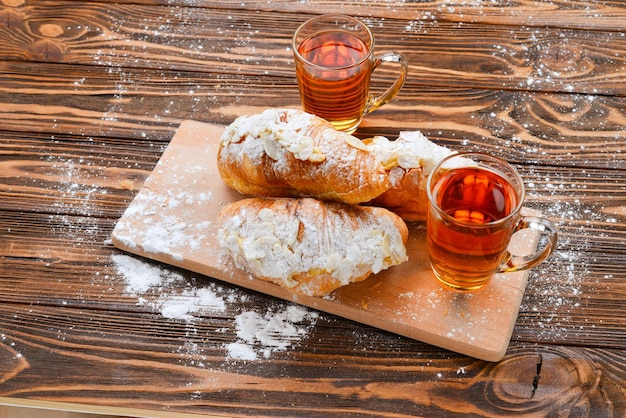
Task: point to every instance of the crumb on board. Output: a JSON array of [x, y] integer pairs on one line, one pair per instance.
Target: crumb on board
[[127, 184]]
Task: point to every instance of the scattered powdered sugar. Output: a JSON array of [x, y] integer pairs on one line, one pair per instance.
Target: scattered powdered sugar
[[274, 330], [557, 288], [75, 197], [143, 279], [141, 276], [167, 292], [171, 232], [78, 186], [242, 351]]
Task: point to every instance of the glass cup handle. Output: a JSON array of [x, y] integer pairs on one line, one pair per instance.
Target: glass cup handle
[[375, 102], [518, 262]]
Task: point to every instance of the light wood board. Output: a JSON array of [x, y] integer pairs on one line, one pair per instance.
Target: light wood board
[[172, 220]]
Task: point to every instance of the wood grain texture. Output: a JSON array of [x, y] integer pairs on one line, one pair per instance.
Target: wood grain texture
[[364, 379], [440, 53], [540, 128], [91, 92], [557, 13], [74, 262]]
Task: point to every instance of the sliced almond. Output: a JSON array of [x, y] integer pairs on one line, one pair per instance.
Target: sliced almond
[[355, 143]]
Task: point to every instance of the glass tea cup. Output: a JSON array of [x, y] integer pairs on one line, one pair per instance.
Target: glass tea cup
[[474, 208], [334, 58]]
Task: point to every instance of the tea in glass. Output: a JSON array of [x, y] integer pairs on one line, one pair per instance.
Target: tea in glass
[[474, 209], [334, 63], [338, 91]]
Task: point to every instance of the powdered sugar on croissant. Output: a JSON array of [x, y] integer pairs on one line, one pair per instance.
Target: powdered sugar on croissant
[[287, 152], [411, 150], [408, 160], [308, 246]]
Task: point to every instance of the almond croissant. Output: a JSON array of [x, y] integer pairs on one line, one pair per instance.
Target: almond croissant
[[290, 153], [311, 247]]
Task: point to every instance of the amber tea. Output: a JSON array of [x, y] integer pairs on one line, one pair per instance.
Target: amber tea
[[474, 209], [475, 195], [334, 49], [337, 91], [334, 64], [471, 196]]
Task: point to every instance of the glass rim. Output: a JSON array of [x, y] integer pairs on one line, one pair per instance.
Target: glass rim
[[299, 56], [517, 177]]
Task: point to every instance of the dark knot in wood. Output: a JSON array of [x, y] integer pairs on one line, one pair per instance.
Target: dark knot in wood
[[47, 50]]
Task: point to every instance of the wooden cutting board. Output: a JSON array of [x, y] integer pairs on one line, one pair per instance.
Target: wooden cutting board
[[173, 220]]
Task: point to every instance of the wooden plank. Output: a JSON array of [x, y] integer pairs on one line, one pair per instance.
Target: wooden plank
[[73, 175], [34, 409], [105, 363], [469, 55], [529, 128], [589, 14], [74, 263]]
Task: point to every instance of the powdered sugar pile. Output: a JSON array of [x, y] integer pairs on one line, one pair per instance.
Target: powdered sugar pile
[[259, 334], [275, 330], [144, 280]]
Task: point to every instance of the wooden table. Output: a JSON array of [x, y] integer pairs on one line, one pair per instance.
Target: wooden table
[[92, 91]]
